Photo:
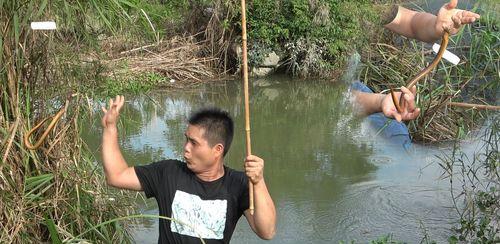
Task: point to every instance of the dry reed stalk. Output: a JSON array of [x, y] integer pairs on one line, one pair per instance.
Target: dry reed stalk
[[179, 60], [474, 106]]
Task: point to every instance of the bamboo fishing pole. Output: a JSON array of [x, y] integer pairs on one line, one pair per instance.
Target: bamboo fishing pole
[[245, 91]]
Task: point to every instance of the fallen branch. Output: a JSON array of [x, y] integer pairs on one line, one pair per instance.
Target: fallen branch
[[474, 106]]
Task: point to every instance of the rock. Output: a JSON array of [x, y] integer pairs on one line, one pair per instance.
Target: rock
[[272, 59], [259, 72], [261, 83], [268, 65]]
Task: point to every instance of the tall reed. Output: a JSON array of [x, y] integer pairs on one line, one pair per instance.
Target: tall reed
[[57, 191]]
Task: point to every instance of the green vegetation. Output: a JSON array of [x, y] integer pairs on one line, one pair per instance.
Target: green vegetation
[[131, 85], [313, 36], [475, 186], [56, 191]]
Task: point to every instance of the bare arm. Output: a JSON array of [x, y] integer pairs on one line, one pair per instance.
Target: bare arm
[[369, 103], [414, 25], [118, 173], [428, 27], [263, 221]]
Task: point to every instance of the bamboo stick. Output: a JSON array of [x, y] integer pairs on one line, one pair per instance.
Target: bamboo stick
[[245, 91], [474, 106]]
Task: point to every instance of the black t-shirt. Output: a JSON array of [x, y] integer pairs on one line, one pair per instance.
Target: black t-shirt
[[210, 209]]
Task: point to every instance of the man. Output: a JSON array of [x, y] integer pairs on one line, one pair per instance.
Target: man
[[421, 26], [202, 194]]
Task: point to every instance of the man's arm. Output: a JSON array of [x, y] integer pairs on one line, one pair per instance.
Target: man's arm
[[428, 27], [118, 173], [369, 103], [263, 221]]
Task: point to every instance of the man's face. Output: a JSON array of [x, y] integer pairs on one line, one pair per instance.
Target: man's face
[[198, 153]]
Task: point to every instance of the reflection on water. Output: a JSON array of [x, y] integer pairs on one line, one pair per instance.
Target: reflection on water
[[331, 178]]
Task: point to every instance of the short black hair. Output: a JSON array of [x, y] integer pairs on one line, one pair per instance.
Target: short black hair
[[218, 125]]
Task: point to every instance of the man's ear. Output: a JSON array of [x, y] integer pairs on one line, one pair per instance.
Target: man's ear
[[219, 148]]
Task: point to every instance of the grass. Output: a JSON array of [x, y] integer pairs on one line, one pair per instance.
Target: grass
[[130, 85], [112, 221], [474, 187], [57, 191]]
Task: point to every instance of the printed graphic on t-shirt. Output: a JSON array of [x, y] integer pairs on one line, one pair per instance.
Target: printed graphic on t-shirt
[[207, 217]]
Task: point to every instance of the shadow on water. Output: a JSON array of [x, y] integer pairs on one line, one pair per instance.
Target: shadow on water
[[331, 178]]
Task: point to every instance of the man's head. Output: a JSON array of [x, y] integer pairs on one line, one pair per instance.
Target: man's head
[[208, 138]]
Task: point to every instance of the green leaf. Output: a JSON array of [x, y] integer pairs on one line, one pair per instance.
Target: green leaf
[[103, 17], [54, 235], [17, 30], [41, 9], [33, 184], [452, 240], [1, 51]]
